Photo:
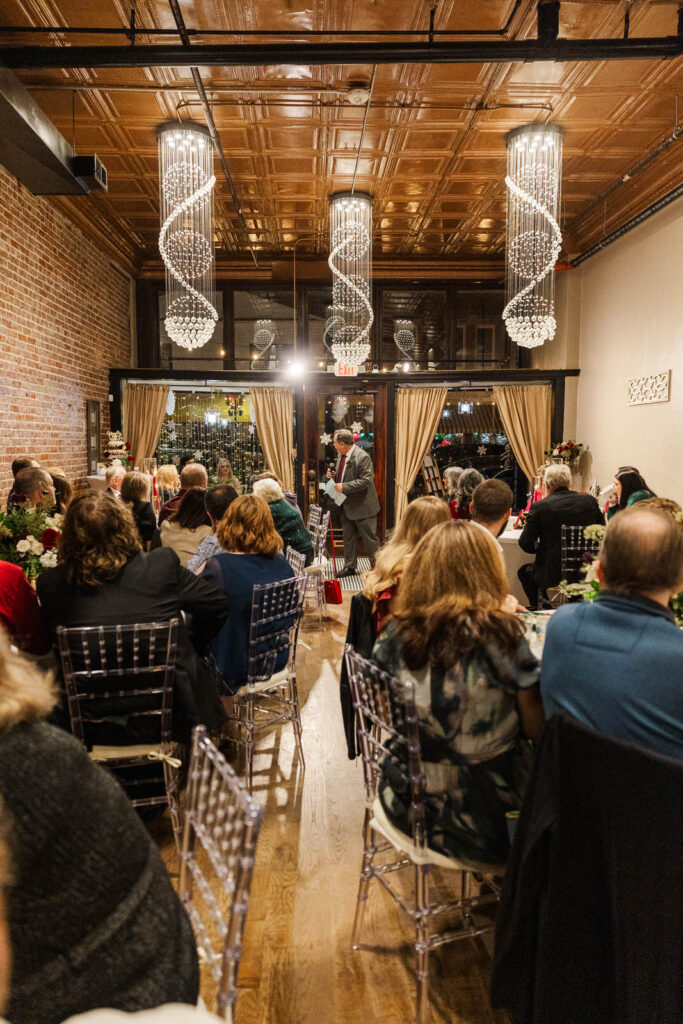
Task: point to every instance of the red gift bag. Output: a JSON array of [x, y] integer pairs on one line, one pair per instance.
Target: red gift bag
[[333, 591]]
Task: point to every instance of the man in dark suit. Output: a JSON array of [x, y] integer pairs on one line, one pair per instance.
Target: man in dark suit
[[354, 477], [542, 533]]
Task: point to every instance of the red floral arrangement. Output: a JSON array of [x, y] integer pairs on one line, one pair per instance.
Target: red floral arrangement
[[567, 451]]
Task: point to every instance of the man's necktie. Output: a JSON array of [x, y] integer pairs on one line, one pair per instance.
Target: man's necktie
[[340, 471]]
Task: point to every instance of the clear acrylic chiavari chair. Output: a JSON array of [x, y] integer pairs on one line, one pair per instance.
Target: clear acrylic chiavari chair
[[315, 513], [270, 696], [296, 559], [220, 831], [126, 673], [385, 711], [574, 547], [315, 573]]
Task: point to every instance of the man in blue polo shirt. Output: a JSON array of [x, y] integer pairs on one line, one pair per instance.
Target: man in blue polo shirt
[[616, 664]]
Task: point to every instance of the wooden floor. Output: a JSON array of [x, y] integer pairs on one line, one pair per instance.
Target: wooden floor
[[297, 965]]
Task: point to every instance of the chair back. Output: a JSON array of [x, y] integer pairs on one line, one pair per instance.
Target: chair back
[[220, 833], [387, 727], [575, 548], [276, 610], [315, 513], [319, 537], [296, 559]]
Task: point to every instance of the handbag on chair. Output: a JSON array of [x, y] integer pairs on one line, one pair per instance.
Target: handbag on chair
[[333, 592]]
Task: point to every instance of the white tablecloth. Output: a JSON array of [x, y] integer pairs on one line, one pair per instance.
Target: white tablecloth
[[514, 558]]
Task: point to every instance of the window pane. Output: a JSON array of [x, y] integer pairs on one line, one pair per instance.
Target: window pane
[[319, 304], [480, 331], [427, 312], [277, 308]]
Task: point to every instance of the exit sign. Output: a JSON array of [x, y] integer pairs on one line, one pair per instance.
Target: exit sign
[[343, 370]]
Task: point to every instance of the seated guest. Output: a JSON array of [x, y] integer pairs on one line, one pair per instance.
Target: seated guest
[[616, 663], [476, 685], [104, 579], [135, 489], [225, 475], [218, 501], [193, 475], [113, 476], [381, 583], [93, 917], [186, 528], [252, 555], [491, 506], [63, 489], [20, 612], [288, 521], [168, 482], [21, 462], [289, 495], [542, 533], [629, 489], [33, 487], [460, 504], [451, 475]]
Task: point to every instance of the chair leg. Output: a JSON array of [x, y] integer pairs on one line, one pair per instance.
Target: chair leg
[[365, 878], [296, 720], [466, 889], [248, 723], [421, 938], [171, 782]]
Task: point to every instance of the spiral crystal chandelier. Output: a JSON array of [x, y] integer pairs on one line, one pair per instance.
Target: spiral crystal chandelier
[[264, 335], [404, 337], [186, 184], [350, 263], [534, 239]]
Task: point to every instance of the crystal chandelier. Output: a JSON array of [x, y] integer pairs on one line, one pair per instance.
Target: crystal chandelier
[[404, 337], [264, 335], [350, 262], [334, 321], [534, 172], [186, 183]]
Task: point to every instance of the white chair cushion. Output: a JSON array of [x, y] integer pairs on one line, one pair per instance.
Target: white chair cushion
[[404, 844]]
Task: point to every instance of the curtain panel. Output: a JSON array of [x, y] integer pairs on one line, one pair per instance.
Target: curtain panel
[[274, 415], [418, 411], [525, 414], [144, 406]]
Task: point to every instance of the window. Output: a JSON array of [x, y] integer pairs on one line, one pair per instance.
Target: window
[[426, 309], [271, 305]]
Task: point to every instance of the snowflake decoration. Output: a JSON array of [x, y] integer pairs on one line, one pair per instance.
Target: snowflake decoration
[[197, 454], [481, 450], [325, 438], [356, 427], [172, 436], [252, 428], [340, 407]]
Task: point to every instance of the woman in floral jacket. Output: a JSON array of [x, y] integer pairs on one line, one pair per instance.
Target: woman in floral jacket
[[476, 688]]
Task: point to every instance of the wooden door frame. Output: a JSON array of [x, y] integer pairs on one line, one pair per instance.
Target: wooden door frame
[[310, 438]]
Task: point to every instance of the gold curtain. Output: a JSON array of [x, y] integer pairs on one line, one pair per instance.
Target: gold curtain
[[418, 413], [525, 413], [144, 406], [274, 415]]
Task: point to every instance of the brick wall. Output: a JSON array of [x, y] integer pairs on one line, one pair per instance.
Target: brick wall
[[64, 320]]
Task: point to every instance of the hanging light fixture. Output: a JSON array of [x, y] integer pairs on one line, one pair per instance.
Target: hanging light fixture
[[334, 321], [534, 239], [186, 184], [404, 337], [264, 335], [350, 263]]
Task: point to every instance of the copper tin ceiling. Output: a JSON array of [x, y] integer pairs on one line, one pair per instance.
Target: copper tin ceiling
[[433, 152]]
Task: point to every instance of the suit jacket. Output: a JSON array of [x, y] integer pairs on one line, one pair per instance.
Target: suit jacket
[[153, 587], [542, 533], [358, 485]]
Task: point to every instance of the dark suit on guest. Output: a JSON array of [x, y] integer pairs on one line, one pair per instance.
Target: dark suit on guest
[[359, 511], [542, 535], [153, 587]]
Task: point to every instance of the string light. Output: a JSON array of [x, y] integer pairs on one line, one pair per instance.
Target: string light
[[534, 238]]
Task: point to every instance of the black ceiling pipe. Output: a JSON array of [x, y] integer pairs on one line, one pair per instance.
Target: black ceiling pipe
[[251, 55], [548, 14]]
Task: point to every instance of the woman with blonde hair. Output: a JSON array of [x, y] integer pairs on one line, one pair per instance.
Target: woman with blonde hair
[[381, 583], [252, 555], [135, 488], [225, 475], [477, 692], [93, 916], [168, 482]]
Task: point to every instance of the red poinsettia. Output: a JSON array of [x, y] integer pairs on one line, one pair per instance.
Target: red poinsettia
[[127, 446], [49, 538]]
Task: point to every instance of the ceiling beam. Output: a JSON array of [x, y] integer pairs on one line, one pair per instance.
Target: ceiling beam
[[262, 55]]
